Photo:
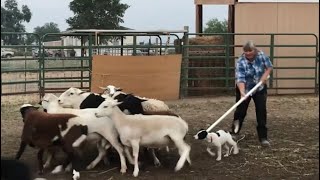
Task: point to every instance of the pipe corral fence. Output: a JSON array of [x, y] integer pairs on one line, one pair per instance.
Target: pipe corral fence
[[207, 67]]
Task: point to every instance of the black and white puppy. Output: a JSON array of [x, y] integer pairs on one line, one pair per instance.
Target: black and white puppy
[[218, 139]]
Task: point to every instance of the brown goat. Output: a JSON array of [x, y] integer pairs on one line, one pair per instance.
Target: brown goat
[[42, 130]]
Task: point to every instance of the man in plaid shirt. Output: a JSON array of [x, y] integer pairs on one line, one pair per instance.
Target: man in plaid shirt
[[253, 66]]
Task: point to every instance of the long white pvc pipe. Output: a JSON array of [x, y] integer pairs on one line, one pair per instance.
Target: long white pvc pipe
[[234, 106]]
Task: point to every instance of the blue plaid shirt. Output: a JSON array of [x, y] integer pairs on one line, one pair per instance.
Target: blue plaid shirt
[[250, 73]]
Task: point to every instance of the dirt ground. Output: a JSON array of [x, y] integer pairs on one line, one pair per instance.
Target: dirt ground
[[293, 123]]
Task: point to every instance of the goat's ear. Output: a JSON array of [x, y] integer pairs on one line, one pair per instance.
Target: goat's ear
[[117, 103], [78, 91], [81, 92], [118, 89], [37, 107], [103, 88]]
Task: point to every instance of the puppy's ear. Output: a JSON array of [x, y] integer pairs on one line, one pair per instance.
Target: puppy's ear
[[202, 134]]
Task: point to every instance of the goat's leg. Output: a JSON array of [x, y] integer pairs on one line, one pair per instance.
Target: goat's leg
[[128, 155], [72, 158], [78, 142], [68, 160], [76, 165], [102, 153], [68, 168], [135, 152], [167, 148], [21, 149], [114, 142], [49, 158], [184, 151], [155, 158], [105, 158], [40, 161], [106, 145]]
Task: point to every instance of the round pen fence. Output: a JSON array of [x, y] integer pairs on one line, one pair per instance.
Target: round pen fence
[[207, 66], [55, 65]]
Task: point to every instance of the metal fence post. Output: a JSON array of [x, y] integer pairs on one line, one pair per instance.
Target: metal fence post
[[184, 64], [81, 60], [271, 58], [90, 60], [134, 51], [227, 59], [41, 67]]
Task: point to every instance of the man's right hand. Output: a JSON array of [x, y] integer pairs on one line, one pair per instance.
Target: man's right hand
[[241, 87]]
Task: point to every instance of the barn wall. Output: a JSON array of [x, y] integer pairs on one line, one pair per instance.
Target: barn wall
[[281, 18], [147, 76]]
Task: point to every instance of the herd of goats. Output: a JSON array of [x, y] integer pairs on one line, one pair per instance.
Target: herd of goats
[[112, 119]]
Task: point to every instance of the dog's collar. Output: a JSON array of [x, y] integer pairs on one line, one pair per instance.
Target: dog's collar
[[210, 139]]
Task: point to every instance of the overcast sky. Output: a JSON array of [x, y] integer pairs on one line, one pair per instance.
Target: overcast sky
[[141, 15]]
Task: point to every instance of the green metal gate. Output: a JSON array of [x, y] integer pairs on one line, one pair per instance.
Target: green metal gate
[[207, 69], [52, 67], [211, 71], [42, 68], [68, 66], [20, 71]]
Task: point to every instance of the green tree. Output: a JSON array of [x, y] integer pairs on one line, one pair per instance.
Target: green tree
[[96, 14], [11, 21], [216, 26], [48, 28], [42, 30]]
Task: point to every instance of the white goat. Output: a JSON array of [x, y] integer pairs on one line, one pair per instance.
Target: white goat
[[147, 130], [76, 98], [103, 126], [72, 102], [148, 105]]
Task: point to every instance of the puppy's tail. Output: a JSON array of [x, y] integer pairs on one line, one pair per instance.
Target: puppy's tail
[[241, 138], [237, 141]]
